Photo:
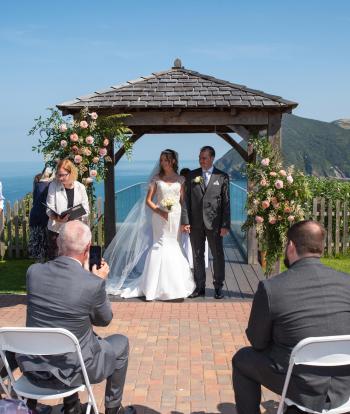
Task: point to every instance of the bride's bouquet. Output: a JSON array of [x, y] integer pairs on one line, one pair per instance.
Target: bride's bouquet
[[167, 203]]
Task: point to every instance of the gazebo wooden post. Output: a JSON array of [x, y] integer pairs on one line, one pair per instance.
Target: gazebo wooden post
[[275, 138], [252, 241], [109, 206]]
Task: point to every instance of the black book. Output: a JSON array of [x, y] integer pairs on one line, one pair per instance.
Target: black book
[[74, 212]]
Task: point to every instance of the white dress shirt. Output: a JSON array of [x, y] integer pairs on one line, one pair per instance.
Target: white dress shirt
[[207, 175]]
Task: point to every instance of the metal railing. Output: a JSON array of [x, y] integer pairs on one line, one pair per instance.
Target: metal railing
[[126, 198], [238, 198]]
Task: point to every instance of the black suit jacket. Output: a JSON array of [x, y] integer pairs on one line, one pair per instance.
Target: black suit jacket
[[307, 300], [207, 206]]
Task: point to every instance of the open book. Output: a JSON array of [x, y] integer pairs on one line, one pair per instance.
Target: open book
[[74, 212]]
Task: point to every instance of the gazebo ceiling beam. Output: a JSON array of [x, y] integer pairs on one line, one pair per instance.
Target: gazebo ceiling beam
[[241, 151], [121, 151], [188, 118]]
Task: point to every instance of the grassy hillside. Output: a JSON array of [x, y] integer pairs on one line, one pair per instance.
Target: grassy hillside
[[316, 147]]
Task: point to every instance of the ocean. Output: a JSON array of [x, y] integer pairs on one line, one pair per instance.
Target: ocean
[[17, 177]]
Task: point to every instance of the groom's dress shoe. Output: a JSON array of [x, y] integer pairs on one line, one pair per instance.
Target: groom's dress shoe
[[219, 293], [196, 293], [129, 409]]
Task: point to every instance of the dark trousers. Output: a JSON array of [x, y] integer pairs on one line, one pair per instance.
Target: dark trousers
[[115, 383], [215, 241], [251, 369], [52, 249]]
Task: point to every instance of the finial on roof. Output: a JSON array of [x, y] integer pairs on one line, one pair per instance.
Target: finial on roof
[[177, 64]]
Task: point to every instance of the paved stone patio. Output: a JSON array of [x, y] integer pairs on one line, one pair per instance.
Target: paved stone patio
[[180, 353]]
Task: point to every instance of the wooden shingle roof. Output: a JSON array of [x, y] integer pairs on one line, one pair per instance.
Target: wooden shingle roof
[[177, 88]]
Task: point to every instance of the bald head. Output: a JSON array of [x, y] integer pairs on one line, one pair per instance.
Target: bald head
[[308, 237], [73, 239]]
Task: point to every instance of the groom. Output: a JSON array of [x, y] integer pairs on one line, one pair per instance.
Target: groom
[[207, 215]]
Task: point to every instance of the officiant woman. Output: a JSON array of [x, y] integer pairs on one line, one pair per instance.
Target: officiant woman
[[64, 192]]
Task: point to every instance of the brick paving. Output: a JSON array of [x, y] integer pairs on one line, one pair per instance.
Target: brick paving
[[180, 353]]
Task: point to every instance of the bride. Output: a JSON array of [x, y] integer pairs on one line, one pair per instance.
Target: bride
[[145, 257]]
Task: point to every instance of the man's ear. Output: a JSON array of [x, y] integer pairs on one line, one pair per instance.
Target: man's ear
[[87, 248]]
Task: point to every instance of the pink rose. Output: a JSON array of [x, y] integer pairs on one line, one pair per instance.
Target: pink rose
[[63, 143], [74, 137], [75, 149], [89, 140], [259, 219], [283, 173], [102, 152], [273, 174], [263, 183], [93, 173], [95, 160], [78, 159], [63, 128], [278, 184], [265, 162], [87, 152], [94, 115], [106, 142], [287, 209], [265, 204], [290, 219], [83, 124], [272, 220], [290, 179]]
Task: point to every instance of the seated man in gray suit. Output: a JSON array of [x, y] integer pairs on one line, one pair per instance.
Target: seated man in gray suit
[[63, 294], [309, 299]]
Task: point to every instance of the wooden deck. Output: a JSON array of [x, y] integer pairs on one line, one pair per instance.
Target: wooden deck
[[241, 279]]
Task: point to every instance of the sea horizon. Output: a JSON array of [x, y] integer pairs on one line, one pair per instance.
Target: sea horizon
[[17, 177]]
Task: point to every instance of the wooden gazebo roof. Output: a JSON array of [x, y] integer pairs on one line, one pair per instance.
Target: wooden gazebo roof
[[177, 88]]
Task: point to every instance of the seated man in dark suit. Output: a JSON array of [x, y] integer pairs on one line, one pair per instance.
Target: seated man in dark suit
[[309, 299], [63, 294]]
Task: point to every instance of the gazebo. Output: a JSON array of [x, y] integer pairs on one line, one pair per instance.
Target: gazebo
[[181, 100]]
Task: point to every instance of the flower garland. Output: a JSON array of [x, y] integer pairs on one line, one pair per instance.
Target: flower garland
[[84, 140], [278, 199]]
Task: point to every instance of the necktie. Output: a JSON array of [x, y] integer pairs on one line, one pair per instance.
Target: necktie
[[206, 178]]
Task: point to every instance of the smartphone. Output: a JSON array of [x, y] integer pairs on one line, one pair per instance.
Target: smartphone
[[95, 256]]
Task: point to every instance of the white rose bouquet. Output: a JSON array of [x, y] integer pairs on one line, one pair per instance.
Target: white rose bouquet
[[167, 203]]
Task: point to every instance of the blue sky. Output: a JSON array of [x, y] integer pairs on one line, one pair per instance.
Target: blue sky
[[53, 51]]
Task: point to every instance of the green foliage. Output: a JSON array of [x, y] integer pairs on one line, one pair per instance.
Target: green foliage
[[277, 199], [329, 188], [83, 140]]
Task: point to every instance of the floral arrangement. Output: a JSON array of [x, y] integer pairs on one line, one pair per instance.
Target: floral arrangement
[[167, 203], [277, 199], [84, 140], [198, 180]]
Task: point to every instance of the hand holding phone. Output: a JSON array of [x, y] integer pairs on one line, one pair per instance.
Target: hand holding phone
[[95, 257]]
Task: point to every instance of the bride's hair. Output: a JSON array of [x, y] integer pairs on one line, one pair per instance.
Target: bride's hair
[[170, 155]]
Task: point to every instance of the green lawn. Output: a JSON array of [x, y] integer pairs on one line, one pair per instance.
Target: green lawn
[[13, 275], [13, 272]]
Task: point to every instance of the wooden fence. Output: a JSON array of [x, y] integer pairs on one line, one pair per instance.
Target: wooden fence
[[334, 215], [14, 226]]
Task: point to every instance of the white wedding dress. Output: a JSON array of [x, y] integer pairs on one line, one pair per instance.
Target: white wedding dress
[[166, 274]]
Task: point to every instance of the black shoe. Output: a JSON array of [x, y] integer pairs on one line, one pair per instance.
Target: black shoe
[[196, 293], [74, 407], [129, 409], [218, 293]]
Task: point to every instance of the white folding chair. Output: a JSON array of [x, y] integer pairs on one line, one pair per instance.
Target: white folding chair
[[323, 351], [43, 341]]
